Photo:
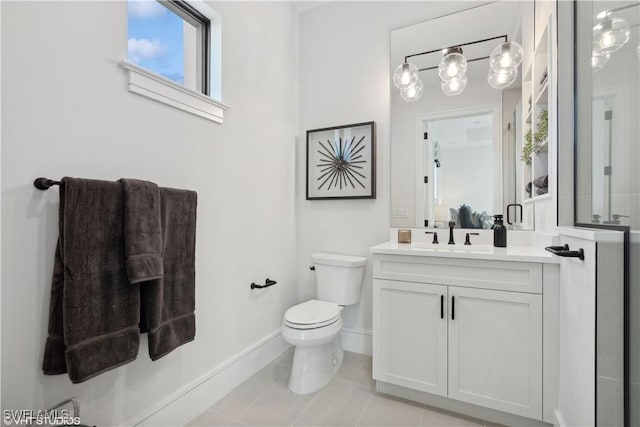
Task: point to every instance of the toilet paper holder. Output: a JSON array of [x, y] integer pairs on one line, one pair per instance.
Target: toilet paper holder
[[267, 282]]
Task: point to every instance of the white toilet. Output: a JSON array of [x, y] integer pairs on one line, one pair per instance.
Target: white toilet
[[313, 327]]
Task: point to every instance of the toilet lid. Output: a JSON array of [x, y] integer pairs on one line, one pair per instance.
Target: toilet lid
[[312, 312]]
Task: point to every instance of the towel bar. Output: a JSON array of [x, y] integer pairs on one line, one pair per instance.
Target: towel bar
[[45, 183]]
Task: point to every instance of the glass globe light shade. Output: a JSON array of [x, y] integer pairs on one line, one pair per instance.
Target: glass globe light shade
[[611, 34], [599, 60], [413, 92], [405, 74], [507, 56], [452, 65], [503, 78], [454, 86]]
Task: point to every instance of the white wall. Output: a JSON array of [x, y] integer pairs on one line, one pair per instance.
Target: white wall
[[66, 111], [344, 78]]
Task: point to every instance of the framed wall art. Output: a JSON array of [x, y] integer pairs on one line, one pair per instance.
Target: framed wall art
[[341, 162]]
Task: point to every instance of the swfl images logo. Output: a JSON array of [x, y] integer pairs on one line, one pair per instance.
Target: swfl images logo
[[39, 418]]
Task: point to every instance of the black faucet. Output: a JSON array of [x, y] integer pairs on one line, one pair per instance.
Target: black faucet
[[452, 224], [435, 237], [467, 241]]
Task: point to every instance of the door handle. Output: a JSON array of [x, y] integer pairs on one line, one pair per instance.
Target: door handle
[[453, 307], [515, 216], [442, 306], [565, 252]]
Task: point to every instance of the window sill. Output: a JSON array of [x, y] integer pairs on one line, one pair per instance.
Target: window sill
[[156, 87]]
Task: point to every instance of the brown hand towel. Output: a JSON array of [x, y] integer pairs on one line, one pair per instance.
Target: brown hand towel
[[168, 304], [94, 310], [142, 230]]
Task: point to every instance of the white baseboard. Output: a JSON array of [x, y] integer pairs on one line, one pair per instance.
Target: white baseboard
[[191, 400], [357, 341], [558, 419]]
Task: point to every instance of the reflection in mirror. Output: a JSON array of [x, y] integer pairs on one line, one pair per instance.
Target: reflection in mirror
[[456, 147], [607, 187], [608, 181]]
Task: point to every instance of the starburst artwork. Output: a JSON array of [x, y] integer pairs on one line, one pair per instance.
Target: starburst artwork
[[341, 162]]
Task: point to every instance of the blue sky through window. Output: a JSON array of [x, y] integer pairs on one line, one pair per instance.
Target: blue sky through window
[[155, 39]]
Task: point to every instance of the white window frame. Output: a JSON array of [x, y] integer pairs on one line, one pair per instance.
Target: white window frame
[[151, 85]]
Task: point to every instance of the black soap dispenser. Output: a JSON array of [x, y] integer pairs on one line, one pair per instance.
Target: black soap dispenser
[[499, 232]]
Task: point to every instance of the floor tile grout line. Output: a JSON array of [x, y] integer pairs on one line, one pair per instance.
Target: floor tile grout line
[[422, 415], [366, 405]]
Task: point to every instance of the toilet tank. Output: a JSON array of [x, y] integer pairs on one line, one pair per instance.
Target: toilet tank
[[338, 277]]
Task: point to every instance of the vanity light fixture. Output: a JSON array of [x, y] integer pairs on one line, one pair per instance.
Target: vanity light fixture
[[413, 92], [453, 64], [507, 56], [611, 34], [452, 68], [452, 71], [405, 74], [454, 86], [598, 59], [502, 78]]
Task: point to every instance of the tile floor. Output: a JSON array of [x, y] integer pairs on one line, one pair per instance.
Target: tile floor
[[349, 400]]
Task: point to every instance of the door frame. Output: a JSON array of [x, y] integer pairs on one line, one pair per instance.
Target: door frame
[[424, 158]]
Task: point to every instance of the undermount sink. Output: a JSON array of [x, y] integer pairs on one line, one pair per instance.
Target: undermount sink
[[452, 248]]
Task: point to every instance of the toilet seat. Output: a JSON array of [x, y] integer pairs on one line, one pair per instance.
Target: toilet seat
[[312, 314]]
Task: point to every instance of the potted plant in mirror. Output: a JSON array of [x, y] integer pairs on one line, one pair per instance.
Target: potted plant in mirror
[[529, 148], [542, 128]]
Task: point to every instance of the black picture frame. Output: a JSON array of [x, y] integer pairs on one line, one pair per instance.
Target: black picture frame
[[341, 162]]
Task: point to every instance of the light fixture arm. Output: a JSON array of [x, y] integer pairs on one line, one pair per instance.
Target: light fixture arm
[[453, 47], [618, 9]]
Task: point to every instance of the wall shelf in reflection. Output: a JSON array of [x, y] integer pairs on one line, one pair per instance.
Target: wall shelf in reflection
[[537, 198], [542, 98]]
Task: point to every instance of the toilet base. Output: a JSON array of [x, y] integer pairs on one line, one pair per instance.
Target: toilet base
[[314, 367]]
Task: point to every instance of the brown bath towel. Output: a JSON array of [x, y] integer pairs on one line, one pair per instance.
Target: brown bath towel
[[142, 230], [94, 310], [168, 304]]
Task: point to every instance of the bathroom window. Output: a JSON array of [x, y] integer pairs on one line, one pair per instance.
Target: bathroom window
[[173, 54]]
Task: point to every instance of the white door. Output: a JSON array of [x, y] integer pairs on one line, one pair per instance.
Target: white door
[[495, 349], [410, 335]]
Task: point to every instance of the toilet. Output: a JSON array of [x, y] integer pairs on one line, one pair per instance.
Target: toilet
[[314, 326]]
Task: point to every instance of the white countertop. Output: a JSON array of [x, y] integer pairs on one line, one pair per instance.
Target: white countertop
[[487, 252]]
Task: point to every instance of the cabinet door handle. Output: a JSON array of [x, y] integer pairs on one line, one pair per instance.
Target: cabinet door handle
[[442, 306], [453, 308]]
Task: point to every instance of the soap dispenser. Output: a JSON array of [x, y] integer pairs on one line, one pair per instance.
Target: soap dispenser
[[499, 232]]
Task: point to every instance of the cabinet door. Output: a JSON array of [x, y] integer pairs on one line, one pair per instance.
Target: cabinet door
[[410, 335], [495, 349]]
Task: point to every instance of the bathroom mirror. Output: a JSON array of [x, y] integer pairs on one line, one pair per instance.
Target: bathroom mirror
[[607, 189], [457, 157], [607, 177]]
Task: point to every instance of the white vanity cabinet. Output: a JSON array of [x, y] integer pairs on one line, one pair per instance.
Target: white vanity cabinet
[[464, 329], [410, 335]]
